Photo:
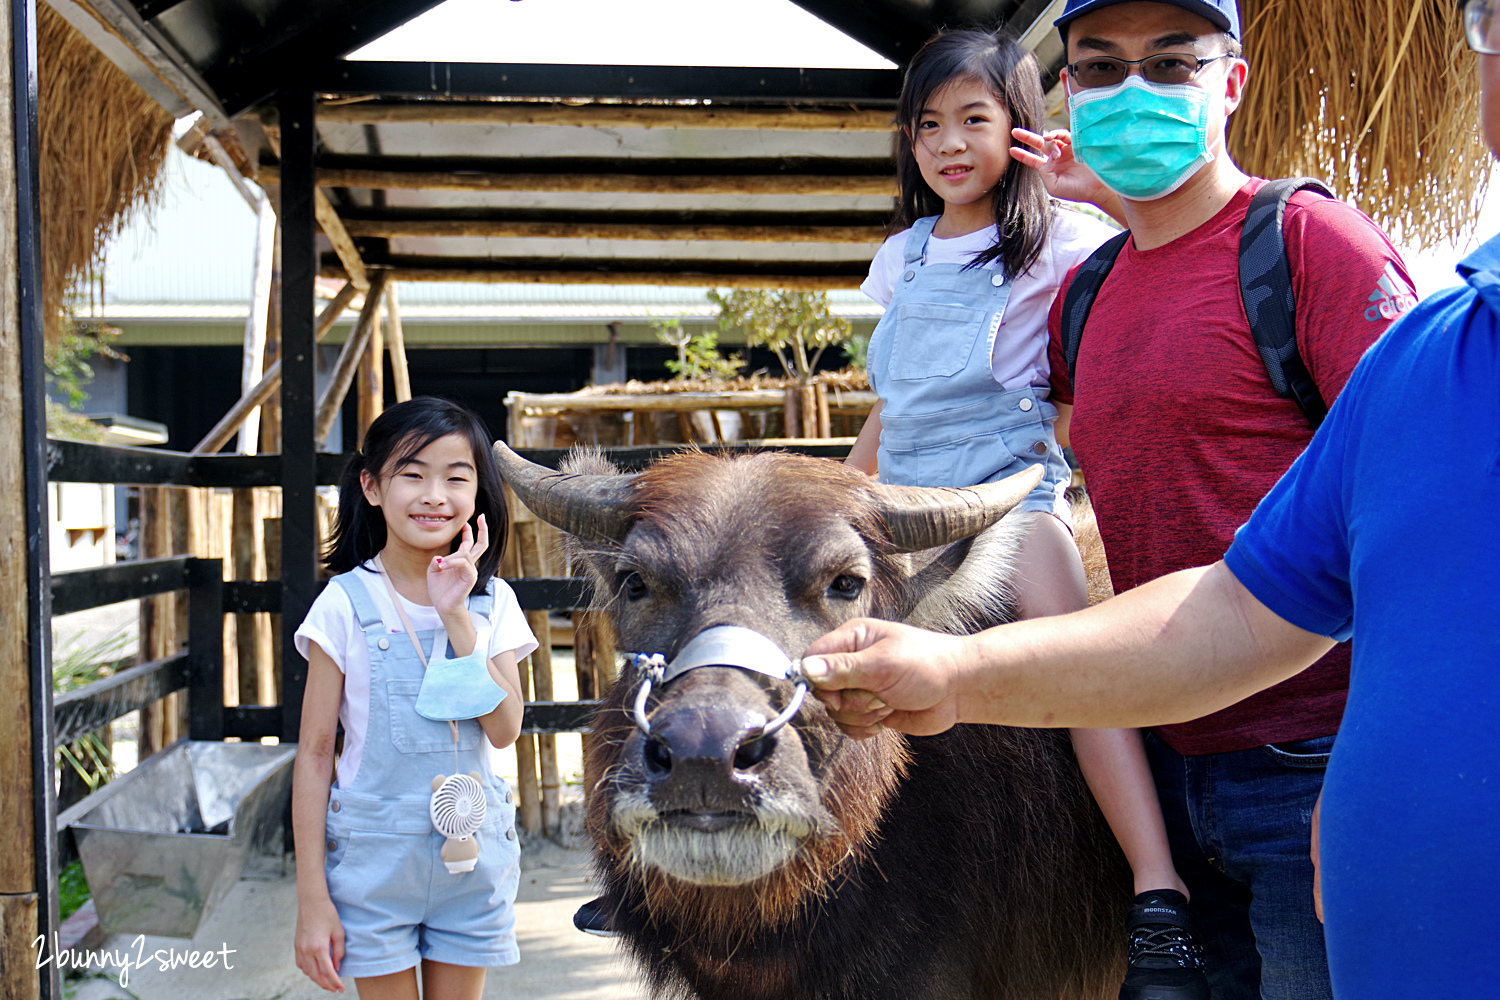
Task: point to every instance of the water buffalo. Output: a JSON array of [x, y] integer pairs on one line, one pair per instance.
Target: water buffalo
[[803, 864]]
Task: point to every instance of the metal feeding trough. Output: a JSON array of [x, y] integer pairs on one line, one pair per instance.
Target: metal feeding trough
[[163, 844]]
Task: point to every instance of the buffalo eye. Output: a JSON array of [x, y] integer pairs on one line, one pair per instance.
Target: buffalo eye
[[846, 587], [633, 587]]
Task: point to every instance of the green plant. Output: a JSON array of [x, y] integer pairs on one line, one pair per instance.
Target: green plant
[[857, 350], [797, 326], [75, 667], [90, 758], [72, 890], [67, 360], [68, 370], [698, 356]]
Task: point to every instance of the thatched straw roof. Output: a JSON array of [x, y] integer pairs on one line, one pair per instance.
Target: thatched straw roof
[[1378, 97], [103, 146]]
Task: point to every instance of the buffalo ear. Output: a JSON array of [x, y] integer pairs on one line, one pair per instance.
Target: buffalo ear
[[970, 585]]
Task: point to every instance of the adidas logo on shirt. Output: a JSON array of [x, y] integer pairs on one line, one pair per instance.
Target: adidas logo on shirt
[[1391, 297]]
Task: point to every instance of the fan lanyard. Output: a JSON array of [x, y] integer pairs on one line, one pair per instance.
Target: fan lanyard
[[411, 634]]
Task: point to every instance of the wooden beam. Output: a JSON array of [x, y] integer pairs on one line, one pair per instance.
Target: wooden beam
[[327, 216], [606, 115], [396, 340], [504, 229], [675, 279], [348, 361], [371, 377], [417, 180], [270, 381], [333, 228]]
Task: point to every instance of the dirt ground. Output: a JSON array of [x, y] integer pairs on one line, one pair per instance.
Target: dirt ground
[[256, 922]]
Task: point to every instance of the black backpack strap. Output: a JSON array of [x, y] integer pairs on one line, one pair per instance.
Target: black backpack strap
[[1266, 289], [1081, 294]]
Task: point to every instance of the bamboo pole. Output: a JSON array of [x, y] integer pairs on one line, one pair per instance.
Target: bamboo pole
[[437, 180], [396, 342], [349, 357], [505, 229], [159, 637], [270, 530], [607, 115], [254, 357], [252, 631], [270, 381], [528, 788], [270, 410], [372, 374], [541, 681]]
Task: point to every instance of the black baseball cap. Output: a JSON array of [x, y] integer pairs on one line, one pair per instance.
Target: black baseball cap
[[1223, 14]]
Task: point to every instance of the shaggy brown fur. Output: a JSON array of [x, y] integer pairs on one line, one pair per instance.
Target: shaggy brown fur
[[968, 865]]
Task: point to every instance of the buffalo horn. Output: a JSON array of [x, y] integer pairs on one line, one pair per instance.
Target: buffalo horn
[[923, 517], [594, 508]]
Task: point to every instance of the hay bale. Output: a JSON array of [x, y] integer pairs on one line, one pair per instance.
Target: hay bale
[[1377, 97], [103, 145]]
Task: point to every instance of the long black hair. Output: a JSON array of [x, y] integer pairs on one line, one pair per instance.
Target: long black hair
[[395, 436], [1023, 211]]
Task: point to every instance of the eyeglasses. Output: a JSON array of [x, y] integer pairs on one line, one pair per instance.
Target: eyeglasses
[[1164, 67], [1481, 26]]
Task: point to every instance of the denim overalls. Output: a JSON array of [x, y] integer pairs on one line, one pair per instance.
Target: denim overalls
[[396, 900], [944, 419]]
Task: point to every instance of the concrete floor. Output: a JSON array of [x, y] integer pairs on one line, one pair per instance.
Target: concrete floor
[[257, 920]]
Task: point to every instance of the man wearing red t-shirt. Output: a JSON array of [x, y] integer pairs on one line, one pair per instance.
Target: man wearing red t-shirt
[[1180, 434]]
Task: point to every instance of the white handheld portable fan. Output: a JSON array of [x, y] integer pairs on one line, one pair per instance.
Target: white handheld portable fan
[[457, 810]]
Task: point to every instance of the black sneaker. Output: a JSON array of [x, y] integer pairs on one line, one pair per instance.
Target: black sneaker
[[1166, 962], [593, 918]]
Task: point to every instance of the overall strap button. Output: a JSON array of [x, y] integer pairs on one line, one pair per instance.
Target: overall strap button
[[908, 275], [997, 279], [1025, 404], [384, 643]]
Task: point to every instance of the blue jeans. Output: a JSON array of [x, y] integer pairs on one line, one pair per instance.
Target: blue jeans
[[1240, 828]]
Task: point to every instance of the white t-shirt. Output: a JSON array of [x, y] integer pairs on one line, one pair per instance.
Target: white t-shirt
[[1020, 355], [332, 624]]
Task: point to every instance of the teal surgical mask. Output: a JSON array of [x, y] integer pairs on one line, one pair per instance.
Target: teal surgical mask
[[1142, 139]]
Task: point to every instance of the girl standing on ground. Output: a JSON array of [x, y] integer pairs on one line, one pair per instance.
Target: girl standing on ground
[[959, 361], [418, 507]]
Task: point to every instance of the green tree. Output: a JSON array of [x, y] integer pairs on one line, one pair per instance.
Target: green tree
[[697, 356], [68, 370], [797, 326]]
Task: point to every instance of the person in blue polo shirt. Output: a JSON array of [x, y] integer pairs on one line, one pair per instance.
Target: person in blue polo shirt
[[1389, 526]]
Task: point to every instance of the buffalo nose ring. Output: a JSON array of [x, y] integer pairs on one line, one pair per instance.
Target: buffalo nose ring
[[721, 646]]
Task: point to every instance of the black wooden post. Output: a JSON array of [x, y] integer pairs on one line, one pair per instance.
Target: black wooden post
[[27, 152], [205, 649], [299, 266]]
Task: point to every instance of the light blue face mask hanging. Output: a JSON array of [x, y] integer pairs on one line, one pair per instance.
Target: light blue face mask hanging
[[452, 690], [1142, 139]]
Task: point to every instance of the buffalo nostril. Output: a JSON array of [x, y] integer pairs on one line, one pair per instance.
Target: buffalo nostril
[[752, 753], [658, 756]]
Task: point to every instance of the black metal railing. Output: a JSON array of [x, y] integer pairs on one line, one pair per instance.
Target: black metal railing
[[200, 669]]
